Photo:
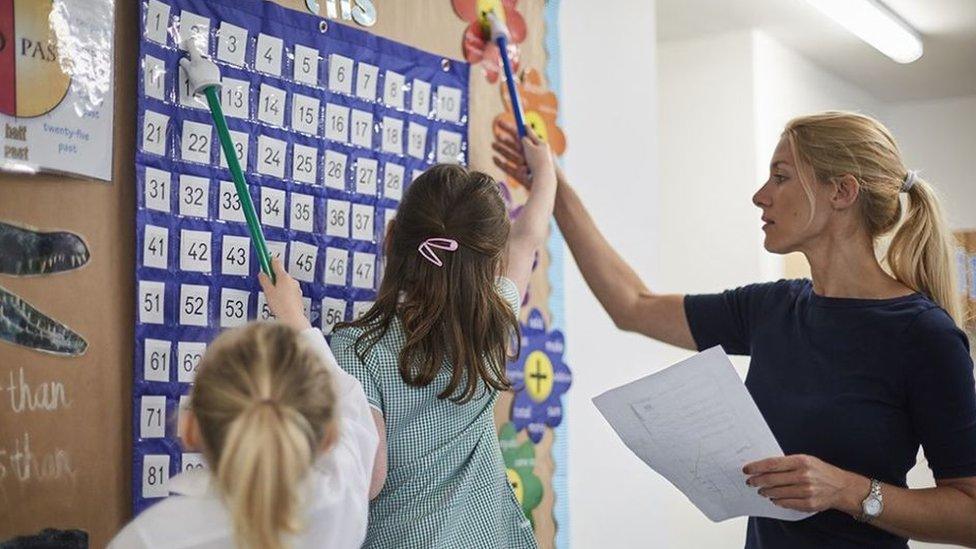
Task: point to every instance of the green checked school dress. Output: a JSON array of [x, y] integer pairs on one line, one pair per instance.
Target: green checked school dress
[[446, 486]]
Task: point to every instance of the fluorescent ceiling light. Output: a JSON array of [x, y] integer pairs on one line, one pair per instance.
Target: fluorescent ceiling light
[[876, 24]]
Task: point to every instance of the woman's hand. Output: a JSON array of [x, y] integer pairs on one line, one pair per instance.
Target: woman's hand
[[285, 297], [524, 160], [805, 483]]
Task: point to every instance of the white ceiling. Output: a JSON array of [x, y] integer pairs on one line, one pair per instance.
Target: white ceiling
[[948, 29]]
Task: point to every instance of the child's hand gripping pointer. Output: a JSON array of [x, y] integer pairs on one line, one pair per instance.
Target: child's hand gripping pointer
[[527, 160], [530, 162], [284, 297]]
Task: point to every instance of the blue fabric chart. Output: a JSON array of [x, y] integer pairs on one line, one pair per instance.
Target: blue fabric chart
[[330, 124]]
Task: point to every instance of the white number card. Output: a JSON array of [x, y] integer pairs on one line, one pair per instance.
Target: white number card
[[188, 355], [194, 305], [155, 476], [267, 59], [235, 257], [333, 312], [195, 254], [155, 250], [151, 302], [233, 307], [302, 261], [156, 361], [340, 74]]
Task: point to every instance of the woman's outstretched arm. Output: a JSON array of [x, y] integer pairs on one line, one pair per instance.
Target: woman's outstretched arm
[[631, 305]]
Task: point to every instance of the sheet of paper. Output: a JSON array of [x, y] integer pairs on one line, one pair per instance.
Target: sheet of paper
[[696, 424]]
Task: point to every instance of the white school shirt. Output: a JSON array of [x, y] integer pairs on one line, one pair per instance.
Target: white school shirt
[[336, 490]]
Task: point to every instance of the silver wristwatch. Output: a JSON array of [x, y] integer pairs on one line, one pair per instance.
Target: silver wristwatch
[[873, 505]]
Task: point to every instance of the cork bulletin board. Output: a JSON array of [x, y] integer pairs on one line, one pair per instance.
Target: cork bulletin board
[[66, 430]]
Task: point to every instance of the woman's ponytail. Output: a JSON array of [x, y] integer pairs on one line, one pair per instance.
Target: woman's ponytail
[[921, 252]]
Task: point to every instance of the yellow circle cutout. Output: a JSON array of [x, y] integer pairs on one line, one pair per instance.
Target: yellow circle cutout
[[537, 124], [538, 376], [515, 481], [487, 6]]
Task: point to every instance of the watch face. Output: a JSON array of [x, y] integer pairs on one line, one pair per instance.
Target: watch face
[[872, 507]]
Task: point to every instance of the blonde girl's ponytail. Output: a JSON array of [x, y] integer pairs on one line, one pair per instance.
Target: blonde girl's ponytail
[[264, 404], [267, 452]]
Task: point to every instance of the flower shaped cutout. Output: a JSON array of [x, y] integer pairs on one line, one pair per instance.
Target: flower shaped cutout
[[479, 49], [519, 460], [540, 108], [539, 378]]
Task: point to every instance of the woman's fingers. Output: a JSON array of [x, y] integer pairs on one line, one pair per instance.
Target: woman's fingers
[[770, 480], [773, 465], [508, 154], [509, 129], [787, 492], [520, 174], [513, 146], [509, 168]]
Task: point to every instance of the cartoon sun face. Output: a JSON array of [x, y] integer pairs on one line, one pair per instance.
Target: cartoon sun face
[[535, 122], [490, 6]]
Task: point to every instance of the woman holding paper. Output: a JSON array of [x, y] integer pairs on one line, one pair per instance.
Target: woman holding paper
[[852, 370]]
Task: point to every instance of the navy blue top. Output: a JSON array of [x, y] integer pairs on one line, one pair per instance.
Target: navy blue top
[[858, 383]]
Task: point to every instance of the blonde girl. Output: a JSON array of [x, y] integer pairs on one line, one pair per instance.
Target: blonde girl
[[287, 436]]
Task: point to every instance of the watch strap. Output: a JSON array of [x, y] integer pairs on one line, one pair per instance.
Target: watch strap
[[875, 493]]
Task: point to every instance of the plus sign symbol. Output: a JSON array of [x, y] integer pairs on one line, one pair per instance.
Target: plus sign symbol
[[538, 376]]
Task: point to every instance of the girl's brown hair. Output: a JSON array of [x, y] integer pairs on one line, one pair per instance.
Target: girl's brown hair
[[263, 403], [451, 314]]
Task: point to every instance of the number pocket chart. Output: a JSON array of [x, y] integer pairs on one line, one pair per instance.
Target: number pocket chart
[[329, 123]]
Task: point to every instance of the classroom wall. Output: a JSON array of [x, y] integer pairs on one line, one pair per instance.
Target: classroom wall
[[608, 108], [86, 436], [707, 148], [707, 143], [938, 138], [788, 85]]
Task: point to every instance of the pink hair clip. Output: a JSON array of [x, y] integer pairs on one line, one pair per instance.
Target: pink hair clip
[[426, 249]]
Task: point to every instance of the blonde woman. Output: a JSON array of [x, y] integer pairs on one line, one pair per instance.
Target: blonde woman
[[854, 369], [288, 437]]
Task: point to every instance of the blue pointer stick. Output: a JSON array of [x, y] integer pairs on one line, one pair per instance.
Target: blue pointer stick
[[500, 34]]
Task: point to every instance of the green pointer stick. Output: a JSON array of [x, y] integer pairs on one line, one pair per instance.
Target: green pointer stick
[[205, 77]]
